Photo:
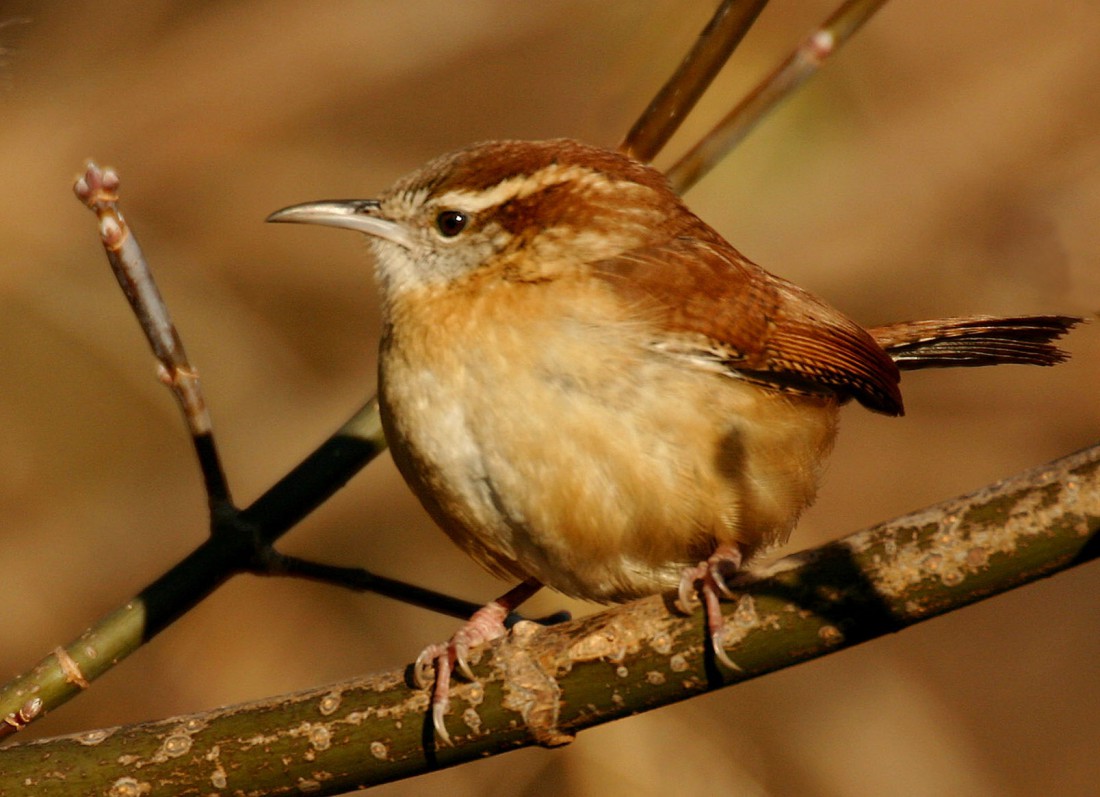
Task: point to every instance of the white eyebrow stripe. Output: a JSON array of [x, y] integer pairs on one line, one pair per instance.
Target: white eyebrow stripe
[[515, 187]]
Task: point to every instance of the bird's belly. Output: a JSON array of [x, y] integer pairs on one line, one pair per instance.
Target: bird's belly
[[577, 455]]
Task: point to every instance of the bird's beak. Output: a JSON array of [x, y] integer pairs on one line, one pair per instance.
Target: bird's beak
[[361, 215]]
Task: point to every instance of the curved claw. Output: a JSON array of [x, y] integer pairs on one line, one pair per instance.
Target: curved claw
[[433, 668], [687, 586], [720, 651], [441, 695], [436, 662], [462, 664], [424, 667], [712, 586], [719, 579], [439, 708]]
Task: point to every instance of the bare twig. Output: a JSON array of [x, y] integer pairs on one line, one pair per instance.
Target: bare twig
[[542, 686], [666, 111], [98, 189], [780, 84]]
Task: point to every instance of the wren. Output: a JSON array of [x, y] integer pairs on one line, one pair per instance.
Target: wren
[[589, 389]]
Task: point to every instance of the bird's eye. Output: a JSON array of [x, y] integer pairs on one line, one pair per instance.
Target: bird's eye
[[451, 222]]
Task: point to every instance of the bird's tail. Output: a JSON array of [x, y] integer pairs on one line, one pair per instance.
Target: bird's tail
[[975, 340]]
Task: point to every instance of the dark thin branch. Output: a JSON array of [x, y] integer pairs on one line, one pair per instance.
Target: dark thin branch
[[360, 580], [802, 64], [543, 686], [319, 476], [666, 111], [238, 544]]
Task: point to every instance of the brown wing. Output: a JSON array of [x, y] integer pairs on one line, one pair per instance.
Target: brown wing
[[716, 304]]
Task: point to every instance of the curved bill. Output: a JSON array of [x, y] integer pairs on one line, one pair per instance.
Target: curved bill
[[361, 215]]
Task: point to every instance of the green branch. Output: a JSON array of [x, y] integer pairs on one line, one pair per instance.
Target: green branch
[[543, 685]]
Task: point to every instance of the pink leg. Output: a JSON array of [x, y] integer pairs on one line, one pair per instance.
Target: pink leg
[[486, 624], [710, 576]]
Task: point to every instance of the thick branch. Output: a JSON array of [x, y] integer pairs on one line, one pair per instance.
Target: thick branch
[[542, 686]]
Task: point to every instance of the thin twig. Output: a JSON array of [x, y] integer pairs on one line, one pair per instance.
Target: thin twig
[[780, 84], [98, 189], [666, 111]]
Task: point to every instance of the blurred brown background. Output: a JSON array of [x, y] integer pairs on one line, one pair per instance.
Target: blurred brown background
[[948, 161]]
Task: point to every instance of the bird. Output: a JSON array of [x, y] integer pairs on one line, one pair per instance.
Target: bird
[[589, 389]]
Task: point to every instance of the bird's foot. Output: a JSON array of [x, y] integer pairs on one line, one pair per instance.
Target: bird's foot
[[709, 578], [436, 663]]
